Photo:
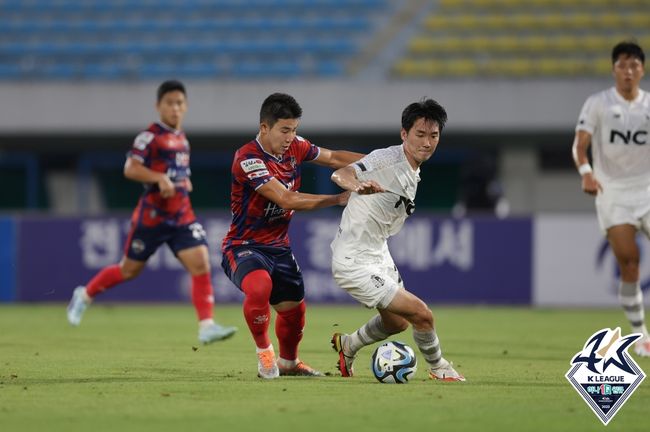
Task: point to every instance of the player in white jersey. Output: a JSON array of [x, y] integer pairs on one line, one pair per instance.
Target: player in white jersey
[[616, 124], [385, 182]]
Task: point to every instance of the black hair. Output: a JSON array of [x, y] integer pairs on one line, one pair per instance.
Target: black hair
[[628, 48], [170, 86], [428, 109], [279, 106]]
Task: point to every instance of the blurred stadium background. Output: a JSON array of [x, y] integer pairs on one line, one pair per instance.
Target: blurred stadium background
[[501, 218]]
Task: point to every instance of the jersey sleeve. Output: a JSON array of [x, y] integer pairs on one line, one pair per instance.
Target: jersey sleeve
[[251, 170], [306, 151], [141, 148], [588, 115]]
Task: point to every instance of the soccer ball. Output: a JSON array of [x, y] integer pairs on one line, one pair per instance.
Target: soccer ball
[[393, 363]]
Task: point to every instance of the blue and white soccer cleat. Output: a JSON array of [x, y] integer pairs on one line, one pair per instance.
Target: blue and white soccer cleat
[[215, 332], [77, 305], [445, 372]]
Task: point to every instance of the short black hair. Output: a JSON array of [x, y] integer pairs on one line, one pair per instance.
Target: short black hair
[[428, 109], [279, 106], [170, 86], [628, 48]]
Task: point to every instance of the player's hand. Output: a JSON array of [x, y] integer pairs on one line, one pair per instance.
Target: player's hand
[[187, 184], [343, 198], [590, 185], [167, 188], [369, 187]]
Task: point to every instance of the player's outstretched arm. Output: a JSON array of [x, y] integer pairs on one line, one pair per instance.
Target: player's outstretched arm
[[290, 200], [581, 143], [136, 171], [336, 159], [347, 179]]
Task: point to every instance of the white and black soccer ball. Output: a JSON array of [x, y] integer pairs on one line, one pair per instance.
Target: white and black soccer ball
[[393, 363]]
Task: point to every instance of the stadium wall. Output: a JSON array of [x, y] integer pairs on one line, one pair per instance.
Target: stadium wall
[[329, 106]]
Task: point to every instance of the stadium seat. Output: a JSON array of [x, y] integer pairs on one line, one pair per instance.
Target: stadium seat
[[518, 38], [71, 39]]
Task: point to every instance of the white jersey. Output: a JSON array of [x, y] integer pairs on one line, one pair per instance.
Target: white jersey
[[620, 137], [368, 220]]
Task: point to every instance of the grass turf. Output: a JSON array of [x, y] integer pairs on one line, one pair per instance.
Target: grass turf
[[134, 368]]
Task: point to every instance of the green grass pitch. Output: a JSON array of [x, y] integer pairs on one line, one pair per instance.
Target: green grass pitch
[[135, 368]]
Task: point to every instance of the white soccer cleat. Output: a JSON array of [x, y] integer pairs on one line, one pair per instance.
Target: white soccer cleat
[[642, 347], [215, 332], [77, 305], [344, 364], [267, 368], [445, 372]]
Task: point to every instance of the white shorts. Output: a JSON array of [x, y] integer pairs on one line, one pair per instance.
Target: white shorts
[[372, 283], [624, 207]]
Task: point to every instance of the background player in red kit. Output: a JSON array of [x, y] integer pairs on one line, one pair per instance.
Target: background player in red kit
[[256, 252], [160, 160]]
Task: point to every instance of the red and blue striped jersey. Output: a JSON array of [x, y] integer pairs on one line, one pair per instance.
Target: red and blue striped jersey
[[256, 220], [166, 150]]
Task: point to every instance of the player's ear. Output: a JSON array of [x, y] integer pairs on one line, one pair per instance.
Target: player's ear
[[403, 134], [264, 128]]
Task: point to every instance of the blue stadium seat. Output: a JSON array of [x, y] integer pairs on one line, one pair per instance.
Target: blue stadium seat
[[76, 39]]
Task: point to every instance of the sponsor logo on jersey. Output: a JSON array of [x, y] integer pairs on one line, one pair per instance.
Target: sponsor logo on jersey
[[244, 253], [182, 159], [142, 140], [250, 165], [257, 174], [638, 137], [604, 374]]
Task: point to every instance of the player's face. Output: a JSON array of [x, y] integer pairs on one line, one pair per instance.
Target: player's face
[[628, 72], [277, 139], [172, 108], [421, 141]]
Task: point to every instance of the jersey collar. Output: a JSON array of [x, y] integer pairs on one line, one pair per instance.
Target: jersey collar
[[259, 144], [169, 128]]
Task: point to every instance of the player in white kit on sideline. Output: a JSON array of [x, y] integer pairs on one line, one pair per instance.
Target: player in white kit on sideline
[[616, 124], [384, 184]]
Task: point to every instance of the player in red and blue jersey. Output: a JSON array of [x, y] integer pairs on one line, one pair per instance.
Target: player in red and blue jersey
[[160, 160], [257, 256]]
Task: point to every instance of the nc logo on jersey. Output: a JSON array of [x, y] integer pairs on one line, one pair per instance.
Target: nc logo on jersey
[[604, 374]]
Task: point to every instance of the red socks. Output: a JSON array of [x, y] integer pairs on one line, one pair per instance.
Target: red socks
[[257, 287], [106, 278], [202, 296], [288, 328]]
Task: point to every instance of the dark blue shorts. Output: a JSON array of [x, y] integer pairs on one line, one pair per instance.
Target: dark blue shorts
[[144, 241], [279, 262]]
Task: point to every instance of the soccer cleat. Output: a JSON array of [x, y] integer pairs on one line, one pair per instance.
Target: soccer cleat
[[301, 369], [445, 372], [215, 332], [642, 347], [77, 306], [344, 364], [266, 366]]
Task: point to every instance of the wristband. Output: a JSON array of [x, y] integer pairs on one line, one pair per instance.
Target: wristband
[[585, 168]]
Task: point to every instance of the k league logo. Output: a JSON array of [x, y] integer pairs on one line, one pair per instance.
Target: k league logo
[[604, 374]]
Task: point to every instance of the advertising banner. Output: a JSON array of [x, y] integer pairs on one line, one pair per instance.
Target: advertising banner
[[573, 264], [442, 260]]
